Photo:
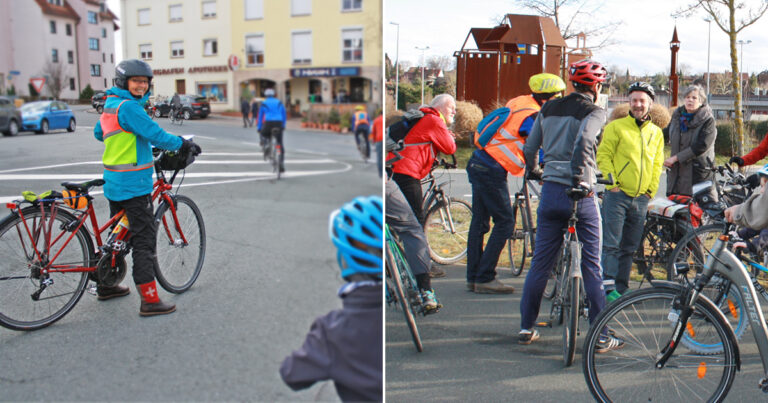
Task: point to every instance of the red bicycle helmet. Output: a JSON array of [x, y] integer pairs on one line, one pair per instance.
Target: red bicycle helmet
[[587, 72]]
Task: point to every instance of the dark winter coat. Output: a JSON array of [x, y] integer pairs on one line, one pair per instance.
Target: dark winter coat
[[695, 150]]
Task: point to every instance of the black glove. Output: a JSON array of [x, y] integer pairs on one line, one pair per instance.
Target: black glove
[[534, 175], [189, 146], [737, 160], [753, 181]]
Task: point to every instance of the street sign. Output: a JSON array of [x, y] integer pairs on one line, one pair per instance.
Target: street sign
[[37, 83]]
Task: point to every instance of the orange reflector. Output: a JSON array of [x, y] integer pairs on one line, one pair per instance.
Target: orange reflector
[[702, 371], [723, 237], [732, 309], [571, 230], [10, 205], [689, 329]]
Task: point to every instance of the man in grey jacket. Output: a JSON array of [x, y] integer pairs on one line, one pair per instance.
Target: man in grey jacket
[[568, 130], [753, 213]]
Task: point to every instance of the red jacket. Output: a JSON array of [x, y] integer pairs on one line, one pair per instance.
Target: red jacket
[[427, 138], [377, 132], [757, 153]]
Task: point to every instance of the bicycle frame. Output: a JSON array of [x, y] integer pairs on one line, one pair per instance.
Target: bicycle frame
[[724, 262], [435, 195]]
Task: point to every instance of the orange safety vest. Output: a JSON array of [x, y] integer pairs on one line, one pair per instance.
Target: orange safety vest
[[506, 146], [361, 118]]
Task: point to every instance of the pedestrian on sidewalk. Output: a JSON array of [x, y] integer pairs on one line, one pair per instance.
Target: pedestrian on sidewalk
[[254, 111], [245, 108]]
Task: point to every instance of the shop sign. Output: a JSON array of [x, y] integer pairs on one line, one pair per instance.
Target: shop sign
[[326, 72], [196, 69], [233, 62]]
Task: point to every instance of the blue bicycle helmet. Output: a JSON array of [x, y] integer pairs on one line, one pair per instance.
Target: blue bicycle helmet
[[763, 171], [356, 230]]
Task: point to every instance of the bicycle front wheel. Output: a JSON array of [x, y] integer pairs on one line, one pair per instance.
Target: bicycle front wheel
[[571, 307], [393, 273], [644, 320], [180, 244], [448, 246], [29, 298]]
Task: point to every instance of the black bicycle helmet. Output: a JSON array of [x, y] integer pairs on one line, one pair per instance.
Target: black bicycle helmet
[[131, 68], [644, 87]]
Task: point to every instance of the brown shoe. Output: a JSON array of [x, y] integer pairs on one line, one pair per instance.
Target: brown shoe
[[493, 287], [436, 272], [158, 308], [470, 286], [105, 293]]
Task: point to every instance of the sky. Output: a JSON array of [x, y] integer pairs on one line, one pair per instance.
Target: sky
[[643, 36]]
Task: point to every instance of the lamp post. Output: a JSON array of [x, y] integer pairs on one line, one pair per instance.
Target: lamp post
[[709, 38], [422, 71], [741, 68], [397, 67]]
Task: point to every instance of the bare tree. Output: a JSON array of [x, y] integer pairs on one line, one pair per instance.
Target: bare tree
[[441, 62], [722, 83], [56, 78], [723, 13], [573, 17]]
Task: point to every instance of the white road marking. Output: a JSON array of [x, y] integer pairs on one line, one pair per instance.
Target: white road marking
[[202, 137], [310, 151]]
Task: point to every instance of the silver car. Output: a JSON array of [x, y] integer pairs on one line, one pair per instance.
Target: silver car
[[10, 117]]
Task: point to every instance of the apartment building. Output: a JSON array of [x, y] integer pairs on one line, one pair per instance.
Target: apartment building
[[187, 43], [66, 41], [324, 51]]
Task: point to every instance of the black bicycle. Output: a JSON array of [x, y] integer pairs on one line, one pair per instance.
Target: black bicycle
[[273, 152], [521, 244]]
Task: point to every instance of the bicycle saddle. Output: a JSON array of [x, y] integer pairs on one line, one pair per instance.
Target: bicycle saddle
[[84, 186]]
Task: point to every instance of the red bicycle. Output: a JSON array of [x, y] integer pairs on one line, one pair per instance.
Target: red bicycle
[[47, 251]]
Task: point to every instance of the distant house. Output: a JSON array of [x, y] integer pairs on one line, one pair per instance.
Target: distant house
[[414, 75]]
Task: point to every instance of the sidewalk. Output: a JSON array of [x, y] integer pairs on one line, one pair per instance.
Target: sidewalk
[[292, 124]]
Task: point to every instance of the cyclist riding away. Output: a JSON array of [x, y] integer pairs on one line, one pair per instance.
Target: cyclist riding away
[[361, 126], [272, 116], [346, 344], [568, 129], [487, 172], [175, 105], [128, 135]]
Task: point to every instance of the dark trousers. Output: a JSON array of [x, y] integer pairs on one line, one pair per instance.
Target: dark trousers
[[266, 133], [142, 228], [490, 198], [411, 188], [623, 223], [361, 133], [553, 214], [401, 220]]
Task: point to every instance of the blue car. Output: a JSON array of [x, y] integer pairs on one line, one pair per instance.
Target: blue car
[[43, 116]]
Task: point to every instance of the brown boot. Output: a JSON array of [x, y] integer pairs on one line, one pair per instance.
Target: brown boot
[[105, 292], [150, 301]]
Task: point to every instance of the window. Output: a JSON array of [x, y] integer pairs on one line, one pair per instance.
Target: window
[[254, 50], [103, 57], [254, 9], [215, 92], [92, 17], [145, 51], [177, 49], [174, 12], [55, 2], [103, 32], [143, 16], [301, 7], [210, 47], [71, 84], [54, 55], [70, 57], [112, 58], [53, 27], [352, 45], [69, 29], [351, 5], [209, 9], [96, 70], [93, 43], [301, 47]]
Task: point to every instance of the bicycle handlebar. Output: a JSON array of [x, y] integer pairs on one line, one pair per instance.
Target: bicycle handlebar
[[445, 164]]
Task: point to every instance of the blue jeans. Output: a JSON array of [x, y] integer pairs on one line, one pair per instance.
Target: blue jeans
[[490, 198], [623, 222], [553, 214]]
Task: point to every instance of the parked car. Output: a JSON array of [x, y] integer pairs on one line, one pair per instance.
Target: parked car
[[191, 106], [10, 117], [97, 101], [43, 116]]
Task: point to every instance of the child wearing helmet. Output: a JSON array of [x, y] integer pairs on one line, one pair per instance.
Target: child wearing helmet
[[345, 345], [752, 215]]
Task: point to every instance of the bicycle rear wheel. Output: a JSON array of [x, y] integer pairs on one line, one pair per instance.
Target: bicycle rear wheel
[[393, 272], [644, 319], [362, 146], [446, 246], [180, 244], [519, 244], [21, 261]]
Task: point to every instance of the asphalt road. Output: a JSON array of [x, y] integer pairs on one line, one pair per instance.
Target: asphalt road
[[270, 269]]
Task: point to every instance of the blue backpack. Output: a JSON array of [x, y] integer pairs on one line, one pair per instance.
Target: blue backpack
[[489, 126]]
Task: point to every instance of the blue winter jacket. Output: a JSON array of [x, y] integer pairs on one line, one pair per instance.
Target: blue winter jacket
[[132, 118], [271, 110]]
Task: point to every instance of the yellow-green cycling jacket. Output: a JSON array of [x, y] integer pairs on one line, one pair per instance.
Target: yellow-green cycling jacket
[[633, 155]]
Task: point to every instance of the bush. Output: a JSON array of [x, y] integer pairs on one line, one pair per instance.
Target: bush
[[32, 91], [11, 91], [345, 120], [468, 115], [87, 93], [408, 94], [660, 115], [725, 142], [333, 116]]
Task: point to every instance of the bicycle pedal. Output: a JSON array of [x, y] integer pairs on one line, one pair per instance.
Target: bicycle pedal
[[546, 323]]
